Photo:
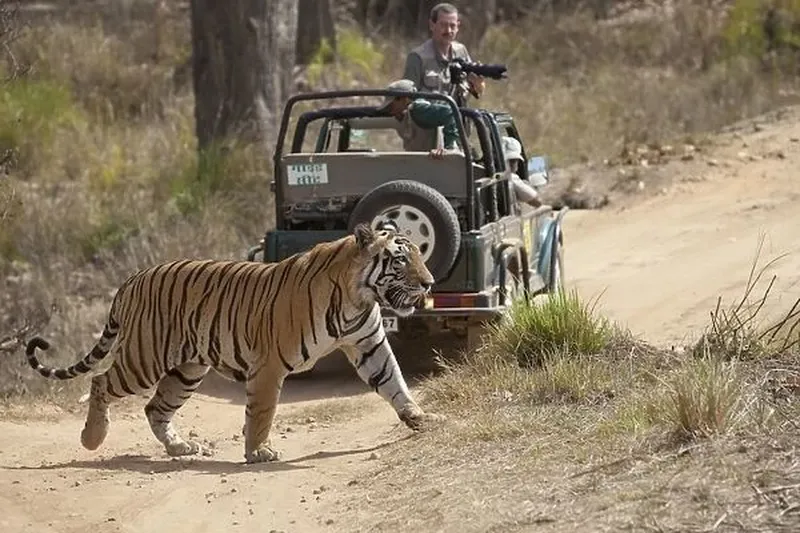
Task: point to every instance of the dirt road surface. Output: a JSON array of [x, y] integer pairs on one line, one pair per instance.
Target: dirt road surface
[[658, 266]]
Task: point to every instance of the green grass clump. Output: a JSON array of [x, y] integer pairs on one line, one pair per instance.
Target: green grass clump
[[548, 351], [238, 173], [560, 322]]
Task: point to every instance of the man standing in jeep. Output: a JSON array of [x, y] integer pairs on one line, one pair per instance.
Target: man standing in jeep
[[427, 64]]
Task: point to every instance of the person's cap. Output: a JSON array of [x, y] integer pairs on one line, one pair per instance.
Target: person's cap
[[512, 149], [398, 85]]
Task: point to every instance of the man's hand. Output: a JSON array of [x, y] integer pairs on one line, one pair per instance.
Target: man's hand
[[535, 202], [439, 153], [476, 84]]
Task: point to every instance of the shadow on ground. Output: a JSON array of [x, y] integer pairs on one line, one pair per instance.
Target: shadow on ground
[[145, 464], [334, 377]]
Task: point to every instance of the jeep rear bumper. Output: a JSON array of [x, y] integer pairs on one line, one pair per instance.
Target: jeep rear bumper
[[476, 312]]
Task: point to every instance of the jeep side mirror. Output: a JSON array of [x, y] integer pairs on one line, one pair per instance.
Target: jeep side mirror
[[537, 171]]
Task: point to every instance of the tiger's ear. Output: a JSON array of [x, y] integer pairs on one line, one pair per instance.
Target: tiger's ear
[[388, 225], [365, 237]]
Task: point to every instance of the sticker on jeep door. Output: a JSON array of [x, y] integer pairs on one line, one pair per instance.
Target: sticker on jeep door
[[307, 173]]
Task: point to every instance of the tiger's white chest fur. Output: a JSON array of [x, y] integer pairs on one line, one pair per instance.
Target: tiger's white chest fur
[[319, 343]]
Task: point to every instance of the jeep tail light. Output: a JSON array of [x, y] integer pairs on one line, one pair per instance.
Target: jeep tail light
[[457, 299]]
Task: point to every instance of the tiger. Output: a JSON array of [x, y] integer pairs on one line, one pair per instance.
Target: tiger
[[254, 323]]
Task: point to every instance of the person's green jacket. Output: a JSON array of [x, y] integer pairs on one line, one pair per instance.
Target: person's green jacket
[[429, 115]]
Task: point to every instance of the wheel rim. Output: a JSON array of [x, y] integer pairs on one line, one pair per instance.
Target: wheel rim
[[412, 223]]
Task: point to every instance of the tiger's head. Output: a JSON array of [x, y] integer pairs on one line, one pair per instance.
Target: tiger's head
[[395, 274]]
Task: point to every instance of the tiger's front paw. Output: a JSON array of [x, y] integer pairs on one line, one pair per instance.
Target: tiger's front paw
[[179, 448], [262, 454], [420, 420]]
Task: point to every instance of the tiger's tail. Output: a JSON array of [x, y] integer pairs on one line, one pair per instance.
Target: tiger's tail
[[98, 352]]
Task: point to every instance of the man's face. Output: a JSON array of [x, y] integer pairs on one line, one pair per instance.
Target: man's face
[[445, 29], [399, 106], [512, 165]]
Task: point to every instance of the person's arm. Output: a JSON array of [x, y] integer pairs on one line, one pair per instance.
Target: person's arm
[[524, 191], [450, 131], [413, 69]]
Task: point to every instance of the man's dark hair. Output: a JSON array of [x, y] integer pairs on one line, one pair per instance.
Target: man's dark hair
[[444, 7]]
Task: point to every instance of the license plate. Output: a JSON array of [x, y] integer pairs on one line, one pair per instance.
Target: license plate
[[307, 174], [390, 323]]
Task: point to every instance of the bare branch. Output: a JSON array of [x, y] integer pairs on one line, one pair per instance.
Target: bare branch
[[10, 29]]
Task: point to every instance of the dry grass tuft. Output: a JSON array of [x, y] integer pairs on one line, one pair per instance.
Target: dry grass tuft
[[704, 399], [736, 332]]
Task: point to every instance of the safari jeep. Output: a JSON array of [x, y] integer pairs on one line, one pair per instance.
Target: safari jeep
[[345, 164]]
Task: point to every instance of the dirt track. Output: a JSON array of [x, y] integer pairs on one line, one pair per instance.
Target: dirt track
[[662, 263]]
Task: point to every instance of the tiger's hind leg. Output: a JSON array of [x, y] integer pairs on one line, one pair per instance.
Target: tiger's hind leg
[[113, 384], [97, 419], [173, 390]]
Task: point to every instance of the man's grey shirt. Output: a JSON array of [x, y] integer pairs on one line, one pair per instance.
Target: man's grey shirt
[[427, 68]]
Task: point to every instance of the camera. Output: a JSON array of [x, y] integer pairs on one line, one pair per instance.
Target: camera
[[460, 67]]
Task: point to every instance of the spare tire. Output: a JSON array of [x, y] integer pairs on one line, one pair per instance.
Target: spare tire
[[421, 213]]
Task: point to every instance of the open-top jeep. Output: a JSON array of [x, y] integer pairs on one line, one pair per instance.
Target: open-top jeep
[[344, 165]]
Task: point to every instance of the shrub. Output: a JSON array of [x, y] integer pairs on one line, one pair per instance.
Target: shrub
[[31, 112], [755, 27], [356, 57], [560, 322]]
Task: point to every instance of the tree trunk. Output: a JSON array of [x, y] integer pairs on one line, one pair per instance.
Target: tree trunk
[[242, 60], [480, 18], [314, 27]]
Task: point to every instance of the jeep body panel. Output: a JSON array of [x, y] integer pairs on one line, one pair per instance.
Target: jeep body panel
[[312, 176]]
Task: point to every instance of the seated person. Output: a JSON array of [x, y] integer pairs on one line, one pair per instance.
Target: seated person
[[523, 189], [423, 114]]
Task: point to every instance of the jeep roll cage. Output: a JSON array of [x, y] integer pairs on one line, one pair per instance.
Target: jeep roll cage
[[485, 125]]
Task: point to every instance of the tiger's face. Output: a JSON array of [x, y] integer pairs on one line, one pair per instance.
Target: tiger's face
[[395, 274]]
